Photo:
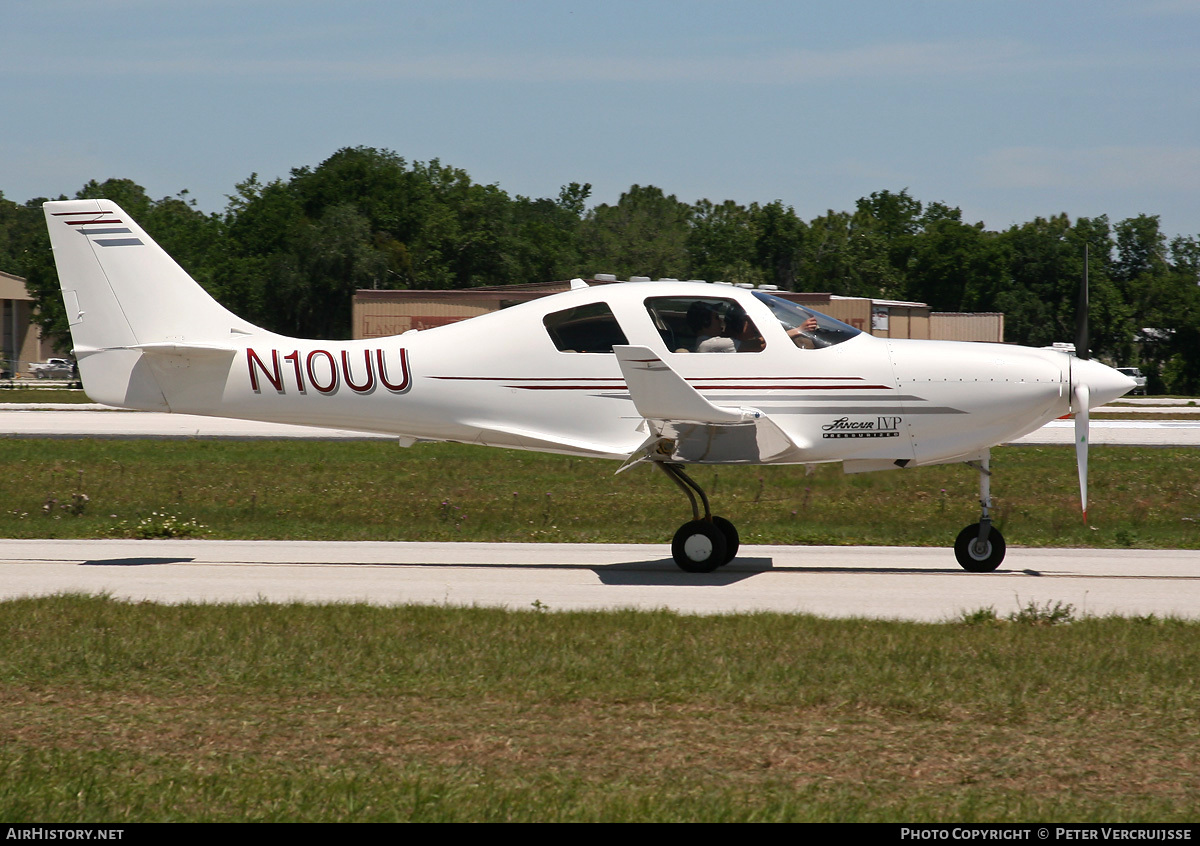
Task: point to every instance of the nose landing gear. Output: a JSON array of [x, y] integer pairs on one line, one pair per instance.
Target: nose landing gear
[[979, 547]]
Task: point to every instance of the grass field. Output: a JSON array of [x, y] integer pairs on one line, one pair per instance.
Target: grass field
[[122, 712], [364, 490], [11, 393]]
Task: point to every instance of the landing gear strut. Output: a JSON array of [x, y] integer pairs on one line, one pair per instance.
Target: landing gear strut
[[979, 547], [707, 542]]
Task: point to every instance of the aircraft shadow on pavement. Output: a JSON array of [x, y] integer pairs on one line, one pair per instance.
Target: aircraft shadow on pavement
[[134, 562], [663, 571]]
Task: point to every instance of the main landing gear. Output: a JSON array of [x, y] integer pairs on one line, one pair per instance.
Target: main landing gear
[[704, 544], [979, 547]]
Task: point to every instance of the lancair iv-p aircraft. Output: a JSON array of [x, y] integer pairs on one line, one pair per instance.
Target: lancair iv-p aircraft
[[671, 373]]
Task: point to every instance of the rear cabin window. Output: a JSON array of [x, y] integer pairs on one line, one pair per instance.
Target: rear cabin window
[[586, 329]]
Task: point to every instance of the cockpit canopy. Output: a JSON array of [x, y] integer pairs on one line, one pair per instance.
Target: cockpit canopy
[[698, 323]]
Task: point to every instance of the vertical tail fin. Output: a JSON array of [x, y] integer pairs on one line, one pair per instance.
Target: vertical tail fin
[[125, 296]]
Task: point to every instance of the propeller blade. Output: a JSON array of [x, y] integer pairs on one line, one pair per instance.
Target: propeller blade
[[1080, 394]]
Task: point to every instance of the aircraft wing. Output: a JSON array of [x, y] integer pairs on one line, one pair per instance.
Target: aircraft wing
[[687, 428], [493, 433]]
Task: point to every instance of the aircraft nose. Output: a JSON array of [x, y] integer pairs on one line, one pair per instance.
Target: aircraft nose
[[1104, 383]]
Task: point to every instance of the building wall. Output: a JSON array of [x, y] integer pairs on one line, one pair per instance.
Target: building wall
[[20, 338], [378, 314], [953, 326]]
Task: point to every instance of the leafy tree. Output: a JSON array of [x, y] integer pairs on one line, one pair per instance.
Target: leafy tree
[[545, 238], [644, 234], [778, 239], [720, 243], [1181, 372], [894, 220], [1159, 285], [1039, 301], [25, 251], [954, 266], [849, 254]]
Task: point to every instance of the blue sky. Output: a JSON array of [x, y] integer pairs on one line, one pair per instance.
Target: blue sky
[[1008, 110]]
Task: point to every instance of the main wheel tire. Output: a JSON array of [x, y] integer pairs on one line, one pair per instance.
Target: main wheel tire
[[698, 547], [979, 557], [732, 541]]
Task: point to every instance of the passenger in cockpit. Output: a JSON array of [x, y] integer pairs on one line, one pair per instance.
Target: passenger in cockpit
[[707, 321], [745, 335]]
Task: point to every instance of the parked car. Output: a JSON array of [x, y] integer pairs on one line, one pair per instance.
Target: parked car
[[52, 368], [1139, 381]]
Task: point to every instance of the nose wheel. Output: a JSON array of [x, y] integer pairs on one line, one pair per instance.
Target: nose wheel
[[705, 543], [979, 551], [979, 547]]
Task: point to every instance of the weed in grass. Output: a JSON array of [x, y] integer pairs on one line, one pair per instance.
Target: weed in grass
[[980, 617], [1032, 614], [161, 525]]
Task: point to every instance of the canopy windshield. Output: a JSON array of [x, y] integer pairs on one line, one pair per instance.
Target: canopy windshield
[[798, 320]]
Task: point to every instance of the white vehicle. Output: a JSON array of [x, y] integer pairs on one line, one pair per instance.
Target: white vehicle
[[1134, 373], [51, 368], [610, 371]]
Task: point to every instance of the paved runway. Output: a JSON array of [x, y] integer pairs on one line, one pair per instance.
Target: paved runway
[[878, 582]]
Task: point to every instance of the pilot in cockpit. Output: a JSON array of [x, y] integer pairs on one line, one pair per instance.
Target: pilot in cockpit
[[802, 335]]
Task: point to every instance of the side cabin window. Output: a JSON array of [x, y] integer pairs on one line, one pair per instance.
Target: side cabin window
[[590, 328], [704, 325]]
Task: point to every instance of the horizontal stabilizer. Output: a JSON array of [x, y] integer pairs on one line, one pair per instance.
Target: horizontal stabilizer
[[688, 429], [659, 393], [190, 350]]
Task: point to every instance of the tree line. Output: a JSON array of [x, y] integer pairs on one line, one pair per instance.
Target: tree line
[[289, 254]]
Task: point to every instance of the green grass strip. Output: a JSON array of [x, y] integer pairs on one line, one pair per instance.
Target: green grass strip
[[362, 490]]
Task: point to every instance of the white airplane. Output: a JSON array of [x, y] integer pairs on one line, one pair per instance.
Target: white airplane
[[673, 373]]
